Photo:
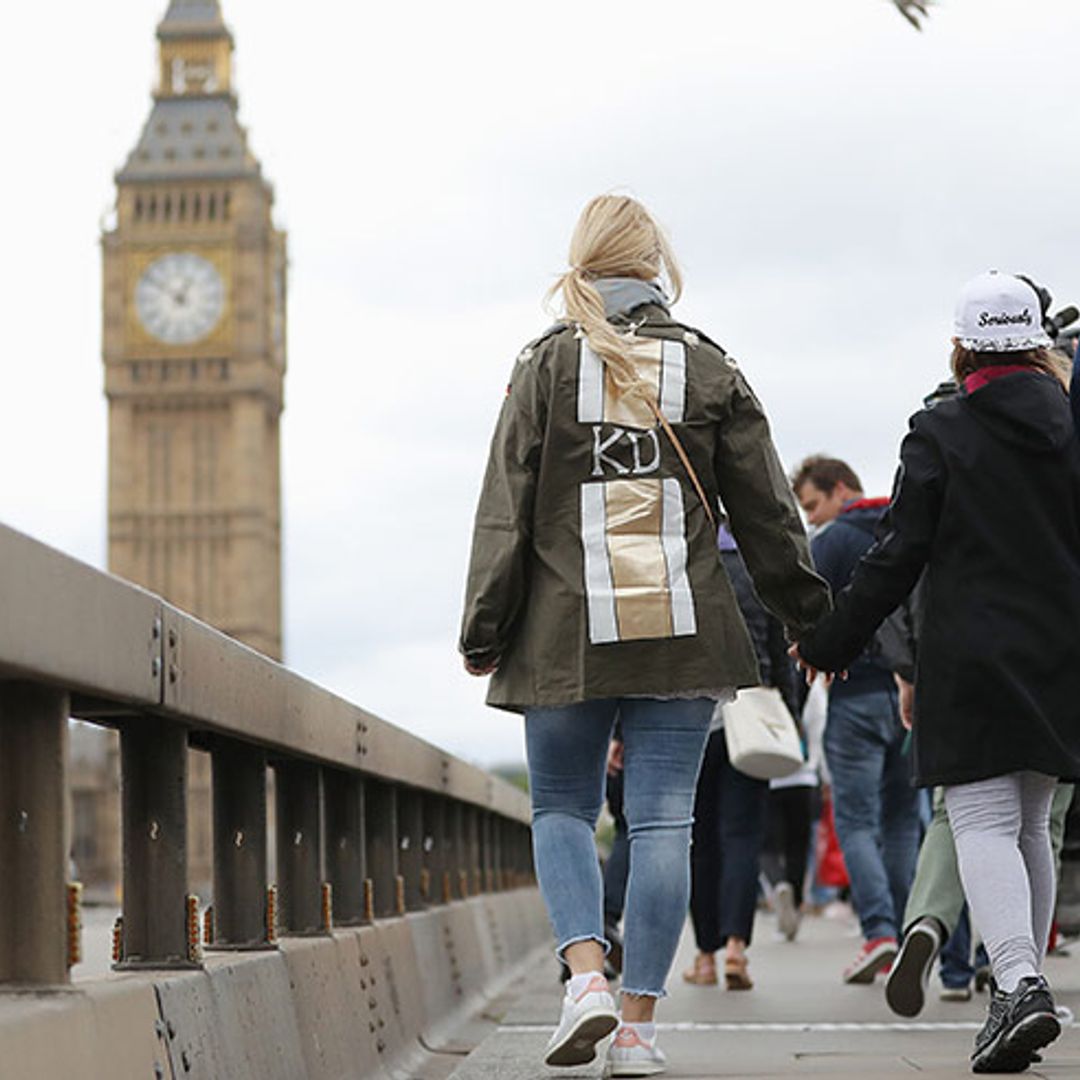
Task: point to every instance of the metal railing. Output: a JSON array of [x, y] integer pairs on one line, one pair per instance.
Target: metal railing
[[370, 821]]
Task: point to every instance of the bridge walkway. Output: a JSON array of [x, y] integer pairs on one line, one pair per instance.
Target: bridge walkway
[[799, 1020]]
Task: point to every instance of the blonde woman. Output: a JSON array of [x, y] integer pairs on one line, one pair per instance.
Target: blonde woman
[[595, 590]]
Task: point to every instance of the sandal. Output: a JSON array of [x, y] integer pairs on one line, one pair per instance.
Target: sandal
[[736, 973], [703, 973]]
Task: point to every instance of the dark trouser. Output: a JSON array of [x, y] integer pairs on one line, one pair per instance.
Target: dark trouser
[[729, 828], [617, 867], [788, 836], [957, 970]]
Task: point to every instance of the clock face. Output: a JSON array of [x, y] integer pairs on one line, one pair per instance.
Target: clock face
[[180, 298]]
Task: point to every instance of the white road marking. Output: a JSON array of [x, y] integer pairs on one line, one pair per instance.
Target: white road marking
[[809, 1026]]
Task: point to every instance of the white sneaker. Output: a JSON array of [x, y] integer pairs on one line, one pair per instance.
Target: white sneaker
[[787, 914], [586, 1018], [630, 1055]]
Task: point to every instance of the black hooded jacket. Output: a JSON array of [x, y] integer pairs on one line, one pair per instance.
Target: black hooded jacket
[[987, 499]]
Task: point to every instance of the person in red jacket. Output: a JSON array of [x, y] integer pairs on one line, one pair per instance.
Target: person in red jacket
[[874, 805]]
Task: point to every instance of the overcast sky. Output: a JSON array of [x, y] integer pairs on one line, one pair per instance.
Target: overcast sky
[[829, 178]]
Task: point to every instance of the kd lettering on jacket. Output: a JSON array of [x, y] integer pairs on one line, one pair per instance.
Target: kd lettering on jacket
[[620, 451]]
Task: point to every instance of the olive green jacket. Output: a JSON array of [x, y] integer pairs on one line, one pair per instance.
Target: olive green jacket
[[595, 571]]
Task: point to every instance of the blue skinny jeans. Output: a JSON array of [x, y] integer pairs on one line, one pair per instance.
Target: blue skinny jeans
[[662, 747]]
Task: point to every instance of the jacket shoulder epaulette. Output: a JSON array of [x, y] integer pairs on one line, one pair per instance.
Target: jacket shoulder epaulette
[[694, 337], [701, 336], [527, 352]]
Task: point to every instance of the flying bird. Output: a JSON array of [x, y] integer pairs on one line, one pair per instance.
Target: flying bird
[[913, 10]]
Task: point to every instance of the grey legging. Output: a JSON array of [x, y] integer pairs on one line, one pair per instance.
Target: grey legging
[[1002, 832]]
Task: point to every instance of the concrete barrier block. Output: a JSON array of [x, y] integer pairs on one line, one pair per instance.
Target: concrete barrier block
[[447, 945], [103, 1031], [257, 1014], [515, 922], [195, 1037], [394, 982], [234, 1021], [361, 1005], [490, 932], [328, 991]]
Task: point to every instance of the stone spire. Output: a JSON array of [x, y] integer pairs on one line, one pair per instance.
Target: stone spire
[[187, 16], [193, 131]]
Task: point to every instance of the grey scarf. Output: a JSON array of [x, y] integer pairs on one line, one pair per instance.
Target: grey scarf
[[622, 294]]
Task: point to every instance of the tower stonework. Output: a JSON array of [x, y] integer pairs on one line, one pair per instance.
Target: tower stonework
[[194, 347], [194, 352]]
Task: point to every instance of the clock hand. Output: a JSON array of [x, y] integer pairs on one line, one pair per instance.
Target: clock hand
[[181, 295]]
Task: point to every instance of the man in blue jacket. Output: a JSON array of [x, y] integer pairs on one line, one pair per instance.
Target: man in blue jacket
[[876, 807]]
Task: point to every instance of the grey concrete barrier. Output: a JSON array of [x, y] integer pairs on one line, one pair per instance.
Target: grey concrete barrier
[[105, 1031], [383, 1001], [396, 973], [235, 1020], [513, 923]]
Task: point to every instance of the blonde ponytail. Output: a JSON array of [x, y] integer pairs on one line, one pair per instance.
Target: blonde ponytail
[[614, 237]]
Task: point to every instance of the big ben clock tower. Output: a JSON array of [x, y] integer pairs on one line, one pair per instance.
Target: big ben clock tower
[[194, 347]]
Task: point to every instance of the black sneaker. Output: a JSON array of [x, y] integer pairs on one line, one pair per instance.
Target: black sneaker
[[905, 990], [1018, 1024]]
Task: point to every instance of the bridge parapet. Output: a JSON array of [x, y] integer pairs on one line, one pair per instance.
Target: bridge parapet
[[371, 821]]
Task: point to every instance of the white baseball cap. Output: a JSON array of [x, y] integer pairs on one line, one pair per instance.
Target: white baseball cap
[[999, 313]]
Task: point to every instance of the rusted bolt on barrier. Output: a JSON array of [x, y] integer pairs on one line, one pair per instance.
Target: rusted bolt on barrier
[[369, 900], [208, 925], [425, 883], [118, 939], [447, 892], [463, 884], [74, 923], [399, 894], [194, 940], [327, 906]]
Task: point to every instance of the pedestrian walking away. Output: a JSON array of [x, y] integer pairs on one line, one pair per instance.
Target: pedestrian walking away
[[874, 805], [936, 922], [730, 808], [987, 500], [595, 591]]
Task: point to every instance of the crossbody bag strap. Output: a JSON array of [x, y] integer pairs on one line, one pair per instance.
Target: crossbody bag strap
[[663, 420]]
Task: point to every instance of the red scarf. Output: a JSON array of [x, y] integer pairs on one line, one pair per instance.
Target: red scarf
[[978, 379], [878, 503]]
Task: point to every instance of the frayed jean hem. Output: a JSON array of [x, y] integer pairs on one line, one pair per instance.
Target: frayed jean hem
[[658, 994], [560, 949]]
